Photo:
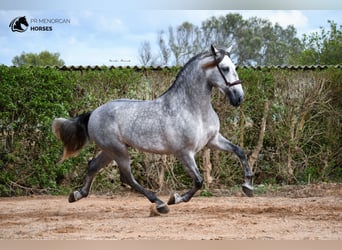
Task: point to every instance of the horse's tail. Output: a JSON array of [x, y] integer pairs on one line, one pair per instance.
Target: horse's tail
[[73, 133]]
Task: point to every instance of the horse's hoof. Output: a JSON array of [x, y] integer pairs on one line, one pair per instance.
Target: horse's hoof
[[156, 210], [247, 190], [163, 209], [75, 196], [153, 211], [72, 198], [172, 200]]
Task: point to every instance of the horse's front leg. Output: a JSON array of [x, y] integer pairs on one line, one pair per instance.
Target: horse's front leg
[[94, 166], [189, 164], [221, 143]]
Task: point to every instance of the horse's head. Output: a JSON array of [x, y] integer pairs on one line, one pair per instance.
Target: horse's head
[[16, 23], [221, 73], [22, 20]]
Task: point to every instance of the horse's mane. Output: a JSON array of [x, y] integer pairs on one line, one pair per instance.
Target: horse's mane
[[183, 70]]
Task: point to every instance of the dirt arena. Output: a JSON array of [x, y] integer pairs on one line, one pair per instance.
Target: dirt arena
[[307, 212]]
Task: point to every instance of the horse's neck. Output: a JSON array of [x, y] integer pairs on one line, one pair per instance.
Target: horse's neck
[[189, 92]]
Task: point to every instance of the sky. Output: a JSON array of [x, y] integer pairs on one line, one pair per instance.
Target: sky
[[109, 34]]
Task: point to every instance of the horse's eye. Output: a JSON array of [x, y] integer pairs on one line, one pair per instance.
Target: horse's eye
[[225, 69]]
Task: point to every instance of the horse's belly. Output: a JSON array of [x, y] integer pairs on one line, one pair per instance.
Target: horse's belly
[[148, 142]]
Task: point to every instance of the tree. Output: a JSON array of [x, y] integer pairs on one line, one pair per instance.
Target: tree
[[255, 41], [323, 47], [184, 42], [225, 31], [165, 52], [278, 45], [145, 54], [44, 58]]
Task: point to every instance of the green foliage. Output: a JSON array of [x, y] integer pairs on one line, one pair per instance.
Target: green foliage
[[301, 144], [44, 58], [205, 193], [255, 41], [323, 47], [29, 100]]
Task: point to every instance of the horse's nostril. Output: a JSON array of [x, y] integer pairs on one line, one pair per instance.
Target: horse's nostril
[[240, 99]]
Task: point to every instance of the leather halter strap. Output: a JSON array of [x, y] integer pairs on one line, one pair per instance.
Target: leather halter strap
[[229, 84]]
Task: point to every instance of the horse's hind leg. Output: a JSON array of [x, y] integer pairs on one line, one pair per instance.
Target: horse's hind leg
[[123, 160], [94, 166], [190, 166]]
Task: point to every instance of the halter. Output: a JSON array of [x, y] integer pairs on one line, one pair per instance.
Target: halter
[[229, 84]]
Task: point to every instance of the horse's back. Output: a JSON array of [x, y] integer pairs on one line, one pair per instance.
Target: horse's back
[[130, 122], [147, 126]]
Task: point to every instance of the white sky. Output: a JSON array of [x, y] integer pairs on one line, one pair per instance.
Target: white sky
[[108, 35]]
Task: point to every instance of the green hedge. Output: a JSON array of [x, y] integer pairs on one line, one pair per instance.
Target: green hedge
[[302, 140], [29, 99]]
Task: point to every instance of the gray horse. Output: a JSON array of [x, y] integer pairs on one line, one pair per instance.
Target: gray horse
[[180, 122]]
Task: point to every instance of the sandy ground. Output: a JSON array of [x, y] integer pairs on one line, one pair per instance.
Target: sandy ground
[[293, 214]]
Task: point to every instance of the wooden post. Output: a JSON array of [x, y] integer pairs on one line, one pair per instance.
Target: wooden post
[[254, 156], [207, 166]]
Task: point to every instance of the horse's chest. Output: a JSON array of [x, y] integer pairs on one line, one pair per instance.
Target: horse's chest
[[205, 131]]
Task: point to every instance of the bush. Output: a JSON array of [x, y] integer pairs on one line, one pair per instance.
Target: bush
[[30, 98], [301, 143]]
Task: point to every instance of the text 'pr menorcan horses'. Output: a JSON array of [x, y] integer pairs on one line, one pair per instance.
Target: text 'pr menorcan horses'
[[180, 122]]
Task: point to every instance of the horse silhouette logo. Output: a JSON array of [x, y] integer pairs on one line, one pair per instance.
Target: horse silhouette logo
[[17, 24]]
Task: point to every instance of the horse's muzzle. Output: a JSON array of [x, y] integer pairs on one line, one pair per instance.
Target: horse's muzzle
[[235, 99]]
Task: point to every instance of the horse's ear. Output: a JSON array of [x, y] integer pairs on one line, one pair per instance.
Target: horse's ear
[[214, 50], [218, 57], [229, 49]]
